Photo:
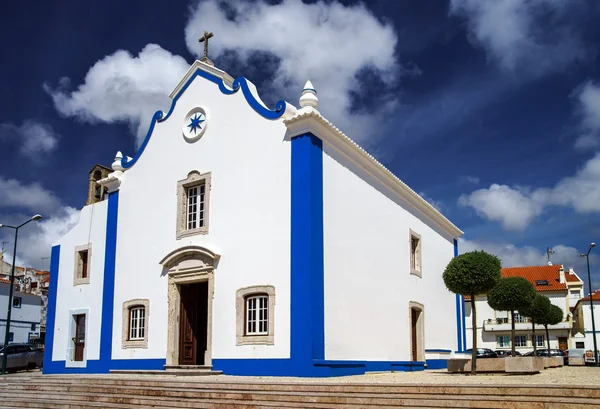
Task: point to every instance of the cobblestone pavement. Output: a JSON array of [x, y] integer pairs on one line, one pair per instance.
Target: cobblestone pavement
[[567, 375]]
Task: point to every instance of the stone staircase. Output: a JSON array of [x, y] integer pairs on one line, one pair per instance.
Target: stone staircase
[[124, 391]]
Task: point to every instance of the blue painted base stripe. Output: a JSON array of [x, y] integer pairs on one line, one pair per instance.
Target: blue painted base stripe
[[100, 367], [437, 363]]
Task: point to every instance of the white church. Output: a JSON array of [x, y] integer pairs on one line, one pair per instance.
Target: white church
[[253, 241]]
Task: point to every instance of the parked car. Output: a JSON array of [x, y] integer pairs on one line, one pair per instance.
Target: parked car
[[553, 352], [22, 356], [504, 354], [482, 353]]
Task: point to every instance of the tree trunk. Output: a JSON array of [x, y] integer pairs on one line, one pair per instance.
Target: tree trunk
[[547, 339], [512, 332], [474, 325], [533, 336]]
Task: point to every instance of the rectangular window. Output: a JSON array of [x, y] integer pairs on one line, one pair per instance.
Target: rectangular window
[[17, 302], [11, 336], [520, 318], [83, 258], [195, 206], [33, 327], [539, 340], [34, 285], [503, 341], [257, 321], [415, 253], [137, 323], [520, 340]]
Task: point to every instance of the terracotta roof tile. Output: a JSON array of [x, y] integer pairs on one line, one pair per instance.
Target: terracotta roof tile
[[536, 273], [596, 295], [572, 278]]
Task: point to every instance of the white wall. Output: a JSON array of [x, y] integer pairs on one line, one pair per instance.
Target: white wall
[[587, 323], [249, 218], [368, 285], [21, 318], [90, 229]]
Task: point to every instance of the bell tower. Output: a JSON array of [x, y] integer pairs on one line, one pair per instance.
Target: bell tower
[[97, 193]]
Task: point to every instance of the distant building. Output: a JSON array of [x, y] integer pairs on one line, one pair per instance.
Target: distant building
[[582, 322], [563, 288], [25, 315], [28, 281]]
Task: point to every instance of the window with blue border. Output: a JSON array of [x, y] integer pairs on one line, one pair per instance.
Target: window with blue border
[[11, 336], [17, 302]]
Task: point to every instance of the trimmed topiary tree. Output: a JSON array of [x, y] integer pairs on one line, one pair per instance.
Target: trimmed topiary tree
[[471, 274], [552, 317], [511, 294], [540, 307]]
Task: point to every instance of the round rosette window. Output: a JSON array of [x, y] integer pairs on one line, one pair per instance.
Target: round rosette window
[[194, 125]]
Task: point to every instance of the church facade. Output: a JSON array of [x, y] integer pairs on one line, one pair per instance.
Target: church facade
[[253, 241]]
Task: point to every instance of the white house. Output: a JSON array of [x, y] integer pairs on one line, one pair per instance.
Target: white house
[[582, 322], [24, 317], [255, 241], [563, 288]]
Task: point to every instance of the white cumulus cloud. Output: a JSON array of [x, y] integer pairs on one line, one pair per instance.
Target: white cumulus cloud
[[122, 87], [516, 207], [34, 138], [588, 98], [537, 36], [325, 42], [18, 202]]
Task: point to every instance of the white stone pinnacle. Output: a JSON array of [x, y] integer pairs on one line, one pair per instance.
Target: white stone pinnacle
[[309, 96]]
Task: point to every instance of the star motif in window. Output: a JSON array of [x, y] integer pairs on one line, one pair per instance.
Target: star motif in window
[[195, 122]]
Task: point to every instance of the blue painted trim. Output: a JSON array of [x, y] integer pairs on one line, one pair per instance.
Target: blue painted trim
[[442, 351], [306, 269], [459, 325], [238, 83], [464, 324], [51, 310], [108, 290], [437, 363], [394, 366], [97, 366]]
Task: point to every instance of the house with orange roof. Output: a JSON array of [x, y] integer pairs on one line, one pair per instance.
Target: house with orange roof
[[563, 287]]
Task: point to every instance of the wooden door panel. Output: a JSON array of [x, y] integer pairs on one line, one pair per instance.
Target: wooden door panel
[[413, 317], [187, 345], [79, 339]]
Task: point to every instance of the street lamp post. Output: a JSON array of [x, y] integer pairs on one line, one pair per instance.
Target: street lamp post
[[587, 256], [10, 290]]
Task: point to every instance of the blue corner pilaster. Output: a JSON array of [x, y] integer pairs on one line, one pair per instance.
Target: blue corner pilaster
[[307, 342], [51, 308], [460, 322], [108, 290]]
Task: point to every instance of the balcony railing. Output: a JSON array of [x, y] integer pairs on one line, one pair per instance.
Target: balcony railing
[[503, 324]]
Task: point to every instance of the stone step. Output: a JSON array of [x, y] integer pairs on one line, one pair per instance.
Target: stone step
[[545, 390], [167, 372], [186, 399]]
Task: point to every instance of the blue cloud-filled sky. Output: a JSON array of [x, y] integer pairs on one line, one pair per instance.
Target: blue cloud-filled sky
[[489, 109]]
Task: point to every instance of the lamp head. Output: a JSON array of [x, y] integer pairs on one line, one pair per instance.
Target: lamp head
[[36, 217], [582, 255], [1, 226], [592, 245]]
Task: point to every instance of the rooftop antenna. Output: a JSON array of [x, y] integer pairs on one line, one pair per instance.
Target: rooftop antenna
[[549, 253], [2, 254]]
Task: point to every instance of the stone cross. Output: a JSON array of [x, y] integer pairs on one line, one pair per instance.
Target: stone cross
[[204, 39]]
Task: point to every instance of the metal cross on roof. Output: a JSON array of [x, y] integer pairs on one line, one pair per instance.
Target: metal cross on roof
[[204, 39]]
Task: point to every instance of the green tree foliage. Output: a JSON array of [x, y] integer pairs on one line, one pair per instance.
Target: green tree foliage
[[540, 307], [511, 294], [552, 317], [472, 274]]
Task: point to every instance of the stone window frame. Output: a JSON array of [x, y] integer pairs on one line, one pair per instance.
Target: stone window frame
[[418, 256], [194, 178], [77, 280], [137, 343], [240, 315]]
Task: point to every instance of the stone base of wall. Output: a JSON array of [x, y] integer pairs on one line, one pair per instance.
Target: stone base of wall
[[524, 364], [483, 365]]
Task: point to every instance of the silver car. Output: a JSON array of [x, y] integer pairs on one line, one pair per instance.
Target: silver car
[[22, 356]]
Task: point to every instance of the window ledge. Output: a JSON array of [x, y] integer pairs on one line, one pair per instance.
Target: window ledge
[[255, 340], [80, 281], [141, 343], [191, 232]]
